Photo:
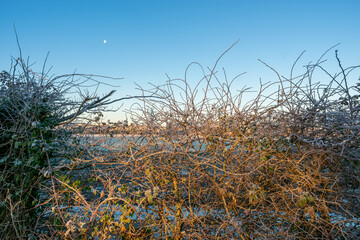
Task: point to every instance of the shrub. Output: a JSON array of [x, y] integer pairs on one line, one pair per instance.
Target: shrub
[[208, 165], [36, 114]]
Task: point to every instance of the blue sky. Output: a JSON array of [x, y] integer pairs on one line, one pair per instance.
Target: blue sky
[[148, 38]]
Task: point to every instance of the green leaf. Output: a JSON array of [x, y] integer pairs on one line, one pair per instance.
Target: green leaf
[[18, 163], [4, 159], [302, 201], [17, 144]]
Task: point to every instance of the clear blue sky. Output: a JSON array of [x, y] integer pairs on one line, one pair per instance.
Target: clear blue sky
[[148, 38]]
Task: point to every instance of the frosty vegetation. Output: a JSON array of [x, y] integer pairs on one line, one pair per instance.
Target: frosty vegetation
[[200, 162]]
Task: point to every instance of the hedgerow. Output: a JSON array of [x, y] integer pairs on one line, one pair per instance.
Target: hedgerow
[[203, 162]]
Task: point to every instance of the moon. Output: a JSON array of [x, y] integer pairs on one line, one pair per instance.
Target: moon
[[105, 41]]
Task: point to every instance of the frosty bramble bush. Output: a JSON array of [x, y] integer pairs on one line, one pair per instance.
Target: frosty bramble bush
[[201, 163], [205, 164]]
